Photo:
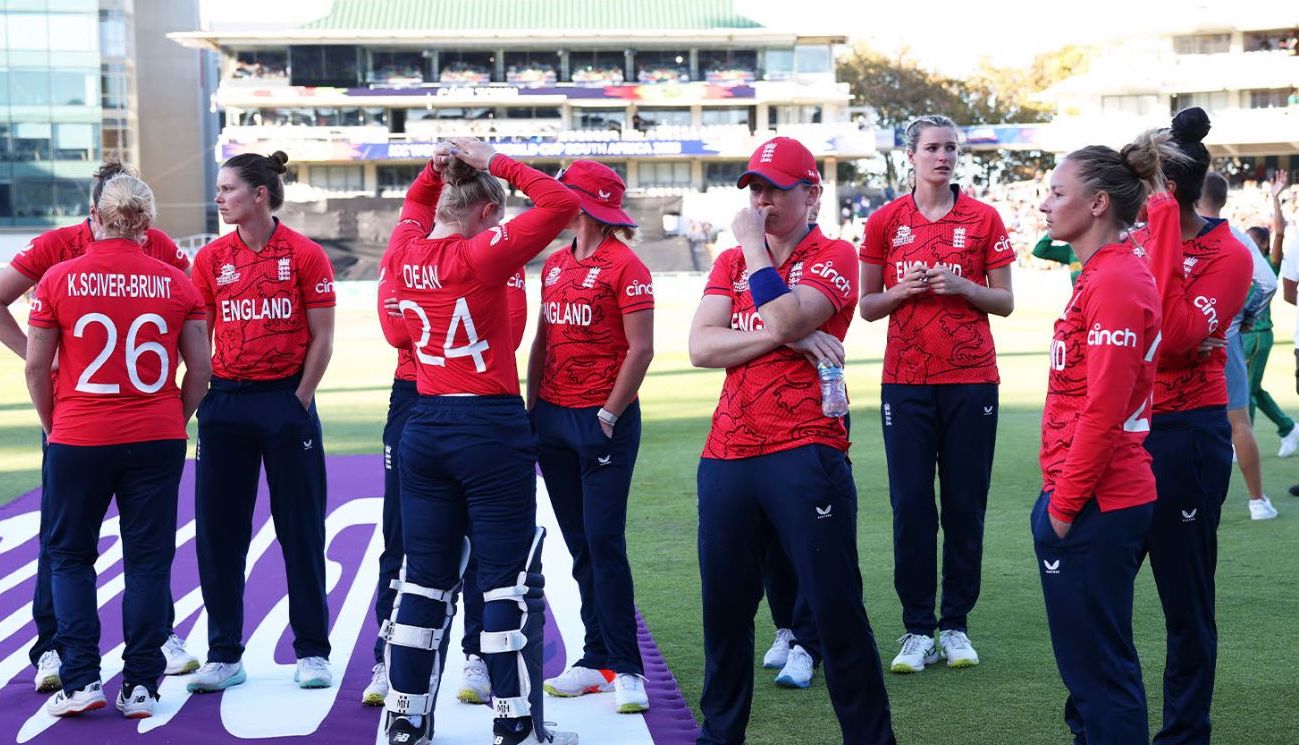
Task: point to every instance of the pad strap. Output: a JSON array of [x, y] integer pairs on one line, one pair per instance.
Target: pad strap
[[415, 637], [511, 708], [496, 642], [396, 702]]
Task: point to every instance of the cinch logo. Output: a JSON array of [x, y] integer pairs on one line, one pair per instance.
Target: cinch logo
[[1051, 567], [552, 276], [589, 282], [1058, 353], [324, 286], [282, 269], [636, 288], [795, 274], [36, 305], [516, 280], [768, 153], [26, 248], [832, 275], [958, 238], [228, 275], [903, 236], [180, 254], [1002, 245], [1206, 306], [1099, 337]]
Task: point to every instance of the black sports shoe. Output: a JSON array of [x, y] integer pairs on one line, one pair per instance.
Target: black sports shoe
[[1294, 490], [402, 732], [504, 732]]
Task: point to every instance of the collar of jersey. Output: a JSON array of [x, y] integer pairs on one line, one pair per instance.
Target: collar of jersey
[[811, 239], [572, 249], [113, 245], [275, 233]]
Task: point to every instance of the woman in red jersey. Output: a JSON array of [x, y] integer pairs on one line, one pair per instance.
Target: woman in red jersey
[[468, 455], [120, 323], [1089, 524], [937, 262], [1203, 284], [25, 270], [595, 340], [269, 293]]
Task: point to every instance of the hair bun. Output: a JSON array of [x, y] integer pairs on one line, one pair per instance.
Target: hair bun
[[458, 172], [1191, 125], [280, 159], [1141, 158]]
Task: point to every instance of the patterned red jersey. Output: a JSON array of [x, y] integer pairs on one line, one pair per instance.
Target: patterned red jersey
[[773, 402], [119, 314], [1097, 411], [938, 338], [582, 305], [259, 302], [69, 242], [1203, 284], [516, 298], [454, 290]]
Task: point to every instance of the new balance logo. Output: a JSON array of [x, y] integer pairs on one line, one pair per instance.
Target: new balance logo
[[606, 460], [400, 736], [1052, 567], [306, 444], [987, 410], [1189, 516], [823, 512]]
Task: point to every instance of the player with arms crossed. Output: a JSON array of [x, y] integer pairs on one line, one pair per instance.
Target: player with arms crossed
[[468, 455], [774, 467], [937, 262], [269, 293], [120, 322]]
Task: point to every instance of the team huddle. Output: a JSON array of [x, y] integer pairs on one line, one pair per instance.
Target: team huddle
[[1135, 434]]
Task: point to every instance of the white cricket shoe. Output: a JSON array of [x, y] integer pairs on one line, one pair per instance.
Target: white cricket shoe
[[917, 651], [1261, 509], [179, 660], [47, 672], [629, 693], [87, 699], [475, 685], [378, 688], [313, 672], [776, 657], [798, 669], [579, 681], [216, 676], [956, 647], [1289, 443], [136, 703]]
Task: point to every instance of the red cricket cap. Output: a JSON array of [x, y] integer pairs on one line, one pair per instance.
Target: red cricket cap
[[783, 162], [599, 190]]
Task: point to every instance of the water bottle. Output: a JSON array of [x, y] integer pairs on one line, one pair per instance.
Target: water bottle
[[834, 394]]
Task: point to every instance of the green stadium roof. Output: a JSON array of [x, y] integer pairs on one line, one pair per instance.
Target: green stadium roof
[[552, 15]]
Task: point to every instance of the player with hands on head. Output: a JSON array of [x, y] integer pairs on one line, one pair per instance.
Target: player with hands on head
[[467, 454], [774, 467], [937, 262], [120, 323]]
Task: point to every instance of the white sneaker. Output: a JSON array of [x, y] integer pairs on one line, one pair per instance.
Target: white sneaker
[[47, 672], [775, 657], [629, 693], [179, 660], [1289, 443], [87, 699], [1261, 509], [578, 681], [475, 685], [798, 669], [917, 651], [216, 676], [378, 688], [956, 647], [136, 704], [313, 672]]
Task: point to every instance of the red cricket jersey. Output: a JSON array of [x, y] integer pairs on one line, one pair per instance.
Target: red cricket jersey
[[119, 314], [454, 290], [582, 305], [936, 339], [259, 302], [1098, 405], [62, 244], [1203, 284], [773, 402]]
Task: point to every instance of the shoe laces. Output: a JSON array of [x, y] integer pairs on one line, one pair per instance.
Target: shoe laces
[[914, 644], [49, 658], [799, 655], [378, 673], [475, 667], [955, 640], [783, 637], [174, 644], [212, 668], [314, 664], [628, 682]]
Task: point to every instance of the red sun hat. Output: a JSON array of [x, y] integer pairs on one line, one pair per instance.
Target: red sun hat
[[599, 190], [783, 162]]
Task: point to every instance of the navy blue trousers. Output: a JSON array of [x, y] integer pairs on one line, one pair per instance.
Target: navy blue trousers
[[952, 427], [145, 479], [403, 398], [588, 477], [468, 467], [805, 500], [1192, 465], [1087, 580], [241, 427], [788, 608]]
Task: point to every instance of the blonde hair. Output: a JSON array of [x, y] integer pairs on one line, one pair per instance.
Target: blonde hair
[[126, 207], [921, 123], [466, 187]]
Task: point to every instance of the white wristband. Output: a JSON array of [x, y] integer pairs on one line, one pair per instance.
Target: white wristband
[[606, 416]]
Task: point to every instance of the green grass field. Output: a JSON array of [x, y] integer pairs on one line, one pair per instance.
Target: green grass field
[[1015, 697]]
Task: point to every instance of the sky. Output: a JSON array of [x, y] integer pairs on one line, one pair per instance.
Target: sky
[[950, 36]]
